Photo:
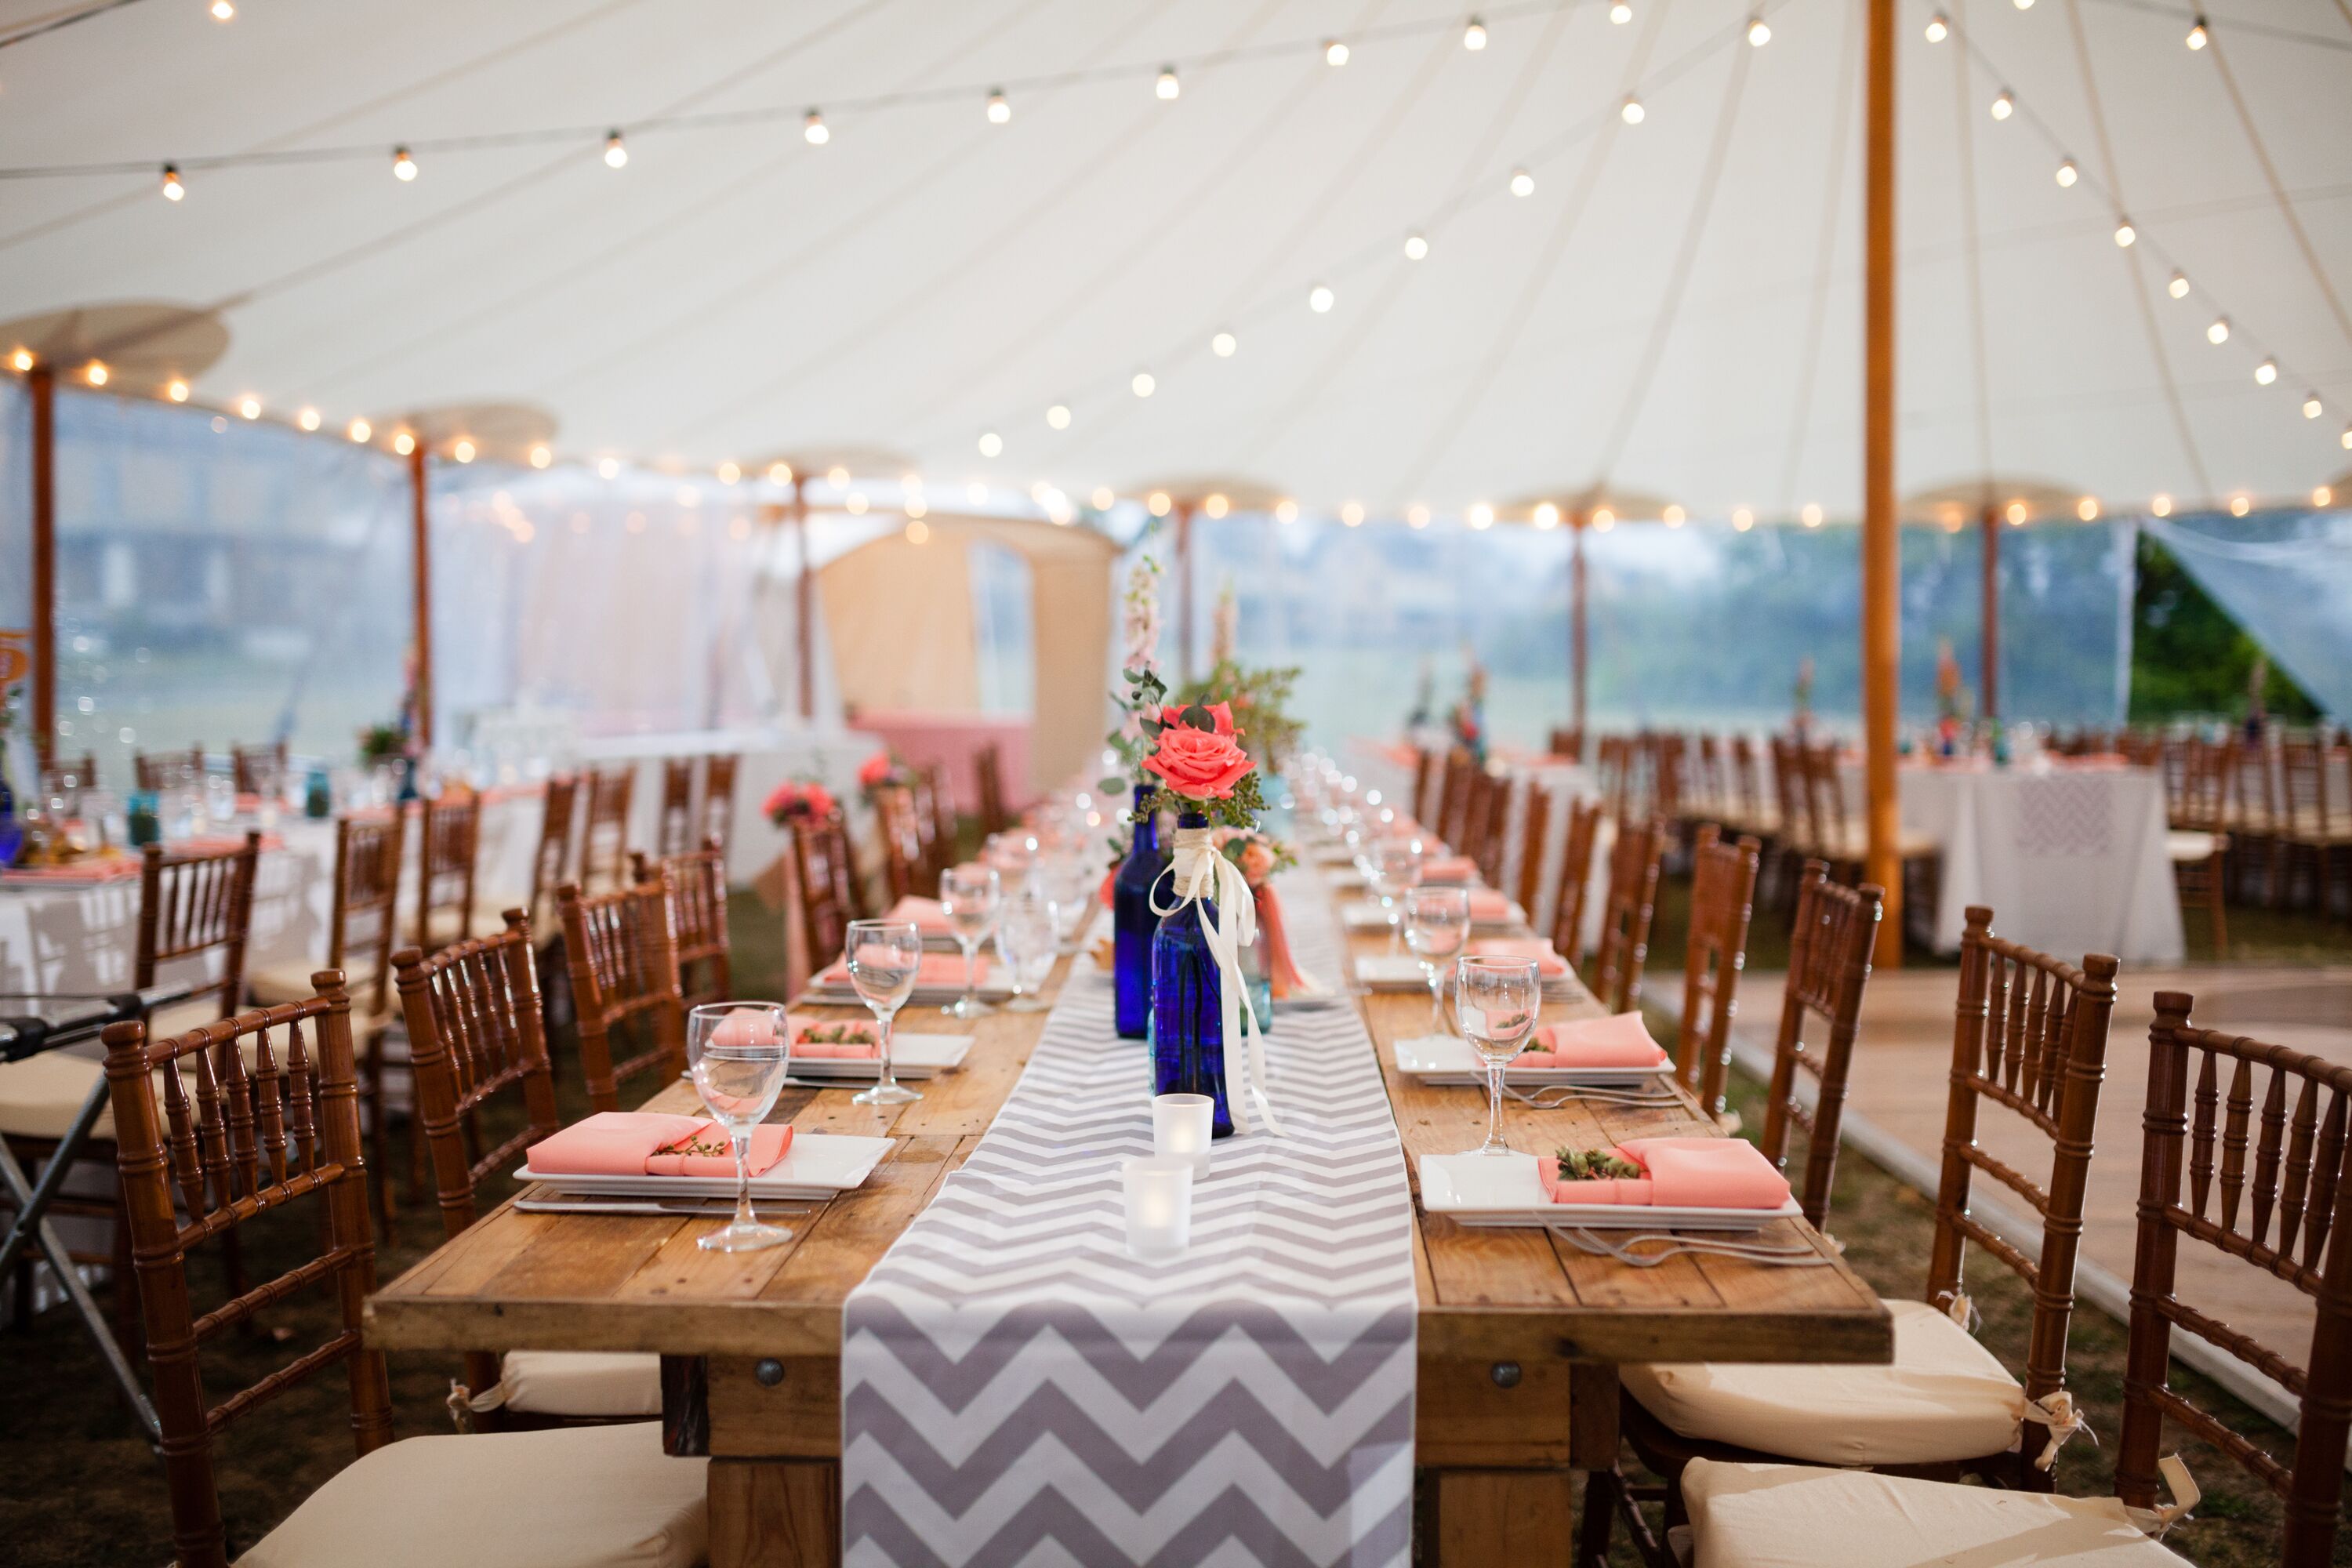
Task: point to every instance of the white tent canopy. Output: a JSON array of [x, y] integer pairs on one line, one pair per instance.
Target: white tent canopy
[[927, 275]]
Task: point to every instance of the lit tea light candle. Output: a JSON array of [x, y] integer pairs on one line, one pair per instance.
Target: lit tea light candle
[[1181, 1129], [1158, 1206]]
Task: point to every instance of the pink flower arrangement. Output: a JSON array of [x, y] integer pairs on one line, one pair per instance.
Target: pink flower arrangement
[[875, 770], [797, 800], [1199, 763]]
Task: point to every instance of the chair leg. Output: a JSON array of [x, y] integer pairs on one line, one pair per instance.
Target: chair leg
[[379, 1141], [1601, 1490], [2215, 882]]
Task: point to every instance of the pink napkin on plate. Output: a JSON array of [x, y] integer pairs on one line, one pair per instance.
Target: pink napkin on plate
[[1447, 868], [931, 917], [865, 1042], [937, 971], [1684, 1173], [1549, 964], [1486, 904], [651, 1143], [1622, 1041]]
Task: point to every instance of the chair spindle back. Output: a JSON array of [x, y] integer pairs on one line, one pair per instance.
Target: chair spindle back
[[1828, 965]]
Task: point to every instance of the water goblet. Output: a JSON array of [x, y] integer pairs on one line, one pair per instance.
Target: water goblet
[[1025, 944], [738, 1053], [1437, 924], [885, 957], [1497, 1000], [970, 895], [1396, 871]]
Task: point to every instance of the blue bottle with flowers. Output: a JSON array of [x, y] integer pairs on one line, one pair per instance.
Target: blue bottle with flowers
[[1188, 1022], [1132, 921]]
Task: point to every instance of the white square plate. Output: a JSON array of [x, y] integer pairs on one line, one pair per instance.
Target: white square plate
[[823, 995], [1489, 1191], [1442, 1059], [1390, 972], [817, 1165], [911, 1056], [1366, 915]]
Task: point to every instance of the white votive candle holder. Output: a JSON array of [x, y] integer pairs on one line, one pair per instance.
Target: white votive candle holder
[[1159, 1190], [1180, 1127]]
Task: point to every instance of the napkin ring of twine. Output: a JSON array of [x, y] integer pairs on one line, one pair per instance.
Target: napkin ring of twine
[[1202, 879]]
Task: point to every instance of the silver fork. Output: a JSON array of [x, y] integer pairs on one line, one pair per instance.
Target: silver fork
[[1686, 1245], [1575, 1094]]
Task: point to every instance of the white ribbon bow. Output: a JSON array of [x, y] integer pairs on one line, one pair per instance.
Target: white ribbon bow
[[1201, 878], [2185, 1496], [2056, 1411]]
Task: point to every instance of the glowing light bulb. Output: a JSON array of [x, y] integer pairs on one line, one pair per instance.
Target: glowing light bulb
[[2239, 505], [1621, 12], [1334, 52], [1159, 503], [1672, 515], [917, 531], [1286, 511], [1474, 36], [1742, 520], [780, 473], [992, 444], [1938, 29], [1603, 520], [2161, 506], [1216, 505], [2003, 104], [1103, 498], [173, 189], [812, 130], [2219, 333], [95, 373], [222, 11], [1811, 516], [2178, 286], [1522, 183], [1546, 515], [1169, 86], [1143, 385], [1415, 248], [1480, 516], [462, 449], [2347, 438], [404, 167], [1758, 35], [1058, 416], [1416, 516], [359, 430], [176, 390], [2016, 513], [2087, 508], [2196, 35], [729, 473], [836, 476], [1000, 107], [1321, 299], [2266, 373], [2323, 495], [1223, 344], [856, 503], [2023, 5], [541, 456], [1353, 514], [308, 419], [916, 507], [2125, 233], [1632, 114], [2067, 173], [608, 467], [2311, 405], [616, 153], [21, 360], [404, 443]]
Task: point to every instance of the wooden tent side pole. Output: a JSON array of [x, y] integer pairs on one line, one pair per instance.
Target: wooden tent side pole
[[42, 383], [1579, 630], [1184, 588], [1882, 562], [804, 606], [1989, 678], [421, 568]]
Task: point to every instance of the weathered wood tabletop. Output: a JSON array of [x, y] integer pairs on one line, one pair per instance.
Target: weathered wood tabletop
[[1520, 1333]]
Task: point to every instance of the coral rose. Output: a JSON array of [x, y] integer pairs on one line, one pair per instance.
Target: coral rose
[[1257, 863], [874, 770], [1199, 763]]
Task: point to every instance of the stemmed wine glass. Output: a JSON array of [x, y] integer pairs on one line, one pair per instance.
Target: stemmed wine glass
[[969, 894], [738, 1053], [885, 957], [1497, 1000], [1027, 945], [1396, 870], [1437, 924]]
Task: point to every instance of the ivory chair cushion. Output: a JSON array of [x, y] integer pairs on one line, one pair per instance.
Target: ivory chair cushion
[[580, 1496], [1794, 1516], [1944, 1397], [40, 1095], [580, 1383], [2182, 845]]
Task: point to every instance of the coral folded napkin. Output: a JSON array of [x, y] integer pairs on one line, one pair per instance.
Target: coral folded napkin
[[1549, 964], [1449, 868], [931, 917], [1683, 1172], [835, 1040], [649, 1143], [1620, 1042], [1486, 904], [937, 971]]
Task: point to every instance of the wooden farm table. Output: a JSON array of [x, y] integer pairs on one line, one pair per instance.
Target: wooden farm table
[[1519, 1334]]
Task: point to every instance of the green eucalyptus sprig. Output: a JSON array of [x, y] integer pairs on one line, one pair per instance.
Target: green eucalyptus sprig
[[1139, 729], [1240, 809], [1595, 1165]]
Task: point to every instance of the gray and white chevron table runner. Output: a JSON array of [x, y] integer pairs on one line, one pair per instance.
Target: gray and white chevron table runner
[[1016, 1389]]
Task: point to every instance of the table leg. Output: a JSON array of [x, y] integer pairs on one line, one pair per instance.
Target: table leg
[[1488, 1517], [775, 1513]]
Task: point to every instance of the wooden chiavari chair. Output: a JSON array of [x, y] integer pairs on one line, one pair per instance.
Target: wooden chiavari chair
[[1614, 977], [255, 764], [1707, 799], [697, 885], [67, 777], [719, 799], [623, 965], [938, 804], [826, 887], [674, 829], [159, 771], [258, 1113], [448, 851], [1669, 801], [989, 765], [2029, 1037], [1614, 756], [2196, 788], [1828, 965], [604, 837], [551, 861], [2315, 828], [906, 846], [1567, 742], [1535, 834], [1453, 790], [1425, 773], [1575, 876], [1483, 821], [1751, 808], [473, 1012], [1723, 898], [2290, 1222]]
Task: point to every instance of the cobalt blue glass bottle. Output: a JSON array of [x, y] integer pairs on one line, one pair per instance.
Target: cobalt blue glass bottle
[[1188, 1019], [1132, 923]]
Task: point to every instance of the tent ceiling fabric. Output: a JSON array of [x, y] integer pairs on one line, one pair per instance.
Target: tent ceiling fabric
[[927, 276]]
